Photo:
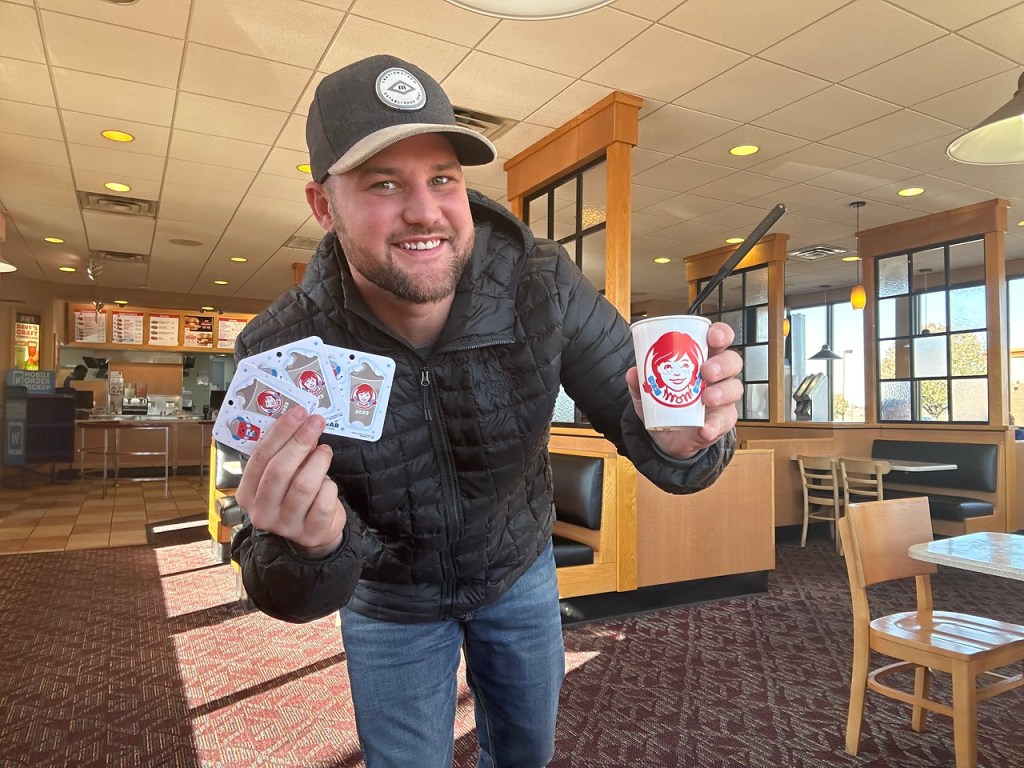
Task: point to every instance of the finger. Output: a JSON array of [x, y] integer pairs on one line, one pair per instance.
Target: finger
[[325, 522], [717, 421], [720, 337], [633, 383], [724, 365], [303, 489], [280, 471], [267, 448], [722, 393]]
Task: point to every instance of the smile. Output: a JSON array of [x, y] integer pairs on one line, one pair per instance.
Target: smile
[[423, 245]]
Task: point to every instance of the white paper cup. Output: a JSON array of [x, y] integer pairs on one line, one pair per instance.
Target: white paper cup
[[670, 351]]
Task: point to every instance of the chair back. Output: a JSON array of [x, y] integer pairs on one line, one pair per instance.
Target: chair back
[[876, 536], [862, 480], [820, 479]]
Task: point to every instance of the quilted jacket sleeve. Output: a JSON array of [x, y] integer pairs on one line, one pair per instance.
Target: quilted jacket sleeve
[[597, 351]]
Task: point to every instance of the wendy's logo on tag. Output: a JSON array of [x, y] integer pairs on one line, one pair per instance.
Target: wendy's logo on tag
[[364, 396], [311, 382], [671, 372], [269, 402]]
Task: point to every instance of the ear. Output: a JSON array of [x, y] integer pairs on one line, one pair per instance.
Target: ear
[[320, 204]]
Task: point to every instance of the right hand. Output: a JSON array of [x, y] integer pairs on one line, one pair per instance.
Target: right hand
[[285, 488]]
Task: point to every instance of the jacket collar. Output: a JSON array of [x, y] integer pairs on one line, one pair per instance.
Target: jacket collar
[[483, 311]]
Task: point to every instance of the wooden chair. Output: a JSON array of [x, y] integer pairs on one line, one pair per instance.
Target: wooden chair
[[876, 536], [820, 478], [862, 479]]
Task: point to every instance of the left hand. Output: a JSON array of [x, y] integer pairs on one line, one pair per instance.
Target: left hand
[[722, 390]]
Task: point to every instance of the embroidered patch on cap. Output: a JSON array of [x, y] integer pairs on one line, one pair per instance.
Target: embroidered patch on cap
[[400, 89]]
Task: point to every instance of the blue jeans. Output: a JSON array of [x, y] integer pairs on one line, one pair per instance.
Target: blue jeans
[[403, 679]]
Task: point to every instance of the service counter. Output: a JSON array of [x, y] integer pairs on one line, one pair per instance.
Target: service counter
[[140, 442]]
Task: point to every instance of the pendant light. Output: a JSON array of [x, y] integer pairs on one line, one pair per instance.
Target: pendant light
[[530, 10], [998, 139], [825, 353], [858, 297]]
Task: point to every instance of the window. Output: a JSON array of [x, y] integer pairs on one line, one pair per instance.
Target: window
[[932, 335], [840, 397]]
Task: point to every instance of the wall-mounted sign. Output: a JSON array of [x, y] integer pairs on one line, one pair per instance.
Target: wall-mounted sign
[[198, 331], [126, 327], [228, 329], [163, 330], [90, 326], [26, 341]]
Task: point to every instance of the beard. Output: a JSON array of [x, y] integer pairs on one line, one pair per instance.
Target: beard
[[383, 270]]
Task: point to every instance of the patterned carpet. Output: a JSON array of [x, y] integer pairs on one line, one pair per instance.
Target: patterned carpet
[[141, 656]]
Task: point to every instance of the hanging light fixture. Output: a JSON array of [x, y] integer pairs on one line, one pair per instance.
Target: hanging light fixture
[[785, 327], [530, 10], [858, 297], [998, 139], [825, 353]]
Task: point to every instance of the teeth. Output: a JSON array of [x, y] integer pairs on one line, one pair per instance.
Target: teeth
[[420, 246]]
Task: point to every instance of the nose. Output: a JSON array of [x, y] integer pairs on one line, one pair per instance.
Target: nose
[[421, 206]]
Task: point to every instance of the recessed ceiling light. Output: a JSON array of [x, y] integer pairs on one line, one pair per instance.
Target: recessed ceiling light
[[67, 269], [734, 240], [911, 192], [239, 259], [663, 260], [220, 282], [120, 302], [117, 136], [304, 168], [207, 309], [185, 241], [744, 149], [54, 240], [1020, 223], [117, 186], [852, 257]]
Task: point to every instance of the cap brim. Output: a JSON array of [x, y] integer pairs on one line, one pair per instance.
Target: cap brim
[[471, 147]]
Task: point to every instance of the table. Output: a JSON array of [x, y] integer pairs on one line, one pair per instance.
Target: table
[[997, 554], [114, 452], [906, 465]]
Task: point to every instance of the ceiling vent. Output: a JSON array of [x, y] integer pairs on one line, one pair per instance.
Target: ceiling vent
[[127, 206], [118, 257], [816, 252], [302, 243], [490, 126]]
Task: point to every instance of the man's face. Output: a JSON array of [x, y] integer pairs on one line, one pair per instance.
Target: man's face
[[403, 219]]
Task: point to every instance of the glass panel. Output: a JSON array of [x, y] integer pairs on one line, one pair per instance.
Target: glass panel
[[933, 400], [735, 321], [594, 258], [929, 356], [887, 359], [732, 292], [756, 396], [761, 334], [931, 311], [967, 308], [755, 363], [968, 353], [894, 317], [892, 276], [969, 254], [594, 195], [757, 286], [894, 403], [970, 400], [929, 268], [711, 303], [565, 408], [537, 215], [565, 209]]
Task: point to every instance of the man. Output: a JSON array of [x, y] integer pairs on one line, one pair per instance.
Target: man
[[437, 538]]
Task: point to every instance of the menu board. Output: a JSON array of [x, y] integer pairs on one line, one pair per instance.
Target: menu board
[[90, 326], [228, 329], [126, 327], [198, 331], [26, 341], [163, 330]]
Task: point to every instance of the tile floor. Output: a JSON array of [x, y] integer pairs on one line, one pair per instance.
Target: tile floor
[[56, 517]]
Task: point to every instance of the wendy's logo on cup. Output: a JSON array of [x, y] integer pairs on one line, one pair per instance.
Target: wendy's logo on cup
[[312, 382], [671, 372], [269, 402]]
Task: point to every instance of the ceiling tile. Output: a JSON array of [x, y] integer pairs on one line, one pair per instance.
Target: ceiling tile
[[740, 93], [230, 119], [569, 103], [210, 176], [236, 77], [17, 194], [925, 156], [954, 14], [279, 187], [26, 81], [968, 106], [688, 231], [431, 17], [674, 130], [771, 144], [104, 49], [82, 128], [290, 31], [168, 17], [1000, 32], [93, 181], [663, 64], [982, 176], [15, 146], [796, 197], [302, 105], [808, 162], [518, 138], [341, 5], [501, 87], [293, 135], [849, 41], [200, 206], [647, 9], [740, 189], [646, 158], [685, 207], [680, 174], [647, 197], [890, 132], [114, 232], [217, 151], [924, 72], [543, 45], [825, 113], [116, 163], [645, 223], [749, 25], [361, 37], [861, 177], [735, 217], [490, 175], [19, 33], [113, 97], [283, 162], [29, 120]]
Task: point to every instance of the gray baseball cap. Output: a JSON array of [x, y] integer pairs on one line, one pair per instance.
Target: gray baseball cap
[[367, 106]]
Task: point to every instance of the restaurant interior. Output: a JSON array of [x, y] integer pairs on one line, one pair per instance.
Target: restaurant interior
[[152, 175]]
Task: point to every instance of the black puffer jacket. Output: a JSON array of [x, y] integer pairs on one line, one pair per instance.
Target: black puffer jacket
[[454, 502]]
